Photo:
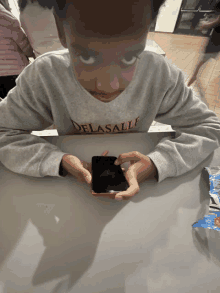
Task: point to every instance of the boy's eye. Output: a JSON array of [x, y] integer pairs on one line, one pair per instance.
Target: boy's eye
[[91, 60], [132, 58], [87, 60]]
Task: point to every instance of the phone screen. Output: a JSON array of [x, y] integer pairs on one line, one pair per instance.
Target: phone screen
[[107, 177]]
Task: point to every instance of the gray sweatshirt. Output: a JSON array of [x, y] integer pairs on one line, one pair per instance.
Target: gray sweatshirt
[[47, 92]]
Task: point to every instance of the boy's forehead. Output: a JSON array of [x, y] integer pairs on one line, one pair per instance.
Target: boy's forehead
[[114, 26], [124, 43]]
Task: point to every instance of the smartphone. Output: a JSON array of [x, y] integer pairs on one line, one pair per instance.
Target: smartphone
[[107, 177]]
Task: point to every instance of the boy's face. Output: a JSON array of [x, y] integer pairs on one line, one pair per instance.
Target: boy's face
[[103, 67]]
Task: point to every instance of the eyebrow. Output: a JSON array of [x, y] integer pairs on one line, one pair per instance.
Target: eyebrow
[[136, 48]]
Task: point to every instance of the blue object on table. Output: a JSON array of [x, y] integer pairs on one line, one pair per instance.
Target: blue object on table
[[208, 221], [214, 206]]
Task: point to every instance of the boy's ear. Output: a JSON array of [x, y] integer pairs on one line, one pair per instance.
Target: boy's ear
[[60, 29]]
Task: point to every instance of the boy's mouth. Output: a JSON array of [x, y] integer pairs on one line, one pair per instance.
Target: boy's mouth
[[104, 94], [98, 94]]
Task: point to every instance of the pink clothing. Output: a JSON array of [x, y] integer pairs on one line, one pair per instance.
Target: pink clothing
[[14, 45], [40, 26]]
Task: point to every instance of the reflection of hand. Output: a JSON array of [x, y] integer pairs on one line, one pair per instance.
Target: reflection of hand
[[108, 173]]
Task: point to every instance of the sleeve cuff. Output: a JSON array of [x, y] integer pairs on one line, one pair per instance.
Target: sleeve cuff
[[62, 171], [51, 165], [164, 164]]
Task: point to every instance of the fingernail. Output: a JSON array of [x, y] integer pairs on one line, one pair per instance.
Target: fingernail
[[116, 162], [118, 198]]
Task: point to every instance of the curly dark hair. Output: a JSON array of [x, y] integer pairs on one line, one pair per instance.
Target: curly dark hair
[[45, 4], [60, 5], [117, 17]]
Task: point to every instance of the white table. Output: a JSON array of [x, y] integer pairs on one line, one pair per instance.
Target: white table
[[53, 229], [167, 16]]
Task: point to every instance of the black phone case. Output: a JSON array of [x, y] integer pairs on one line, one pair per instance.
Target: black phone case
[[107, 177]]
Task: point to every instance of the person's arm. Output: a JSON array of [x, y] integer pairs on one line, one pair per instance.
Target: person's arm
[[25, 109], [14, 30], [209, 24], [197, 129], [213, 22]]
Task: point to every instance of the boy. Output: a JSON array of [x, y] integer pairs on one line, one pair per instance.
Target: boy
[[104, 83]]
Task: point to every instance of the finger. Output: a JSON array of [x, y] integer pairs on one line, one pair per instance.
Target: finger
[[84, 164], [80, 178], [127, 157], [129, 193], [90, 168], [133, 186], [75, 167], [108, 195], [84, 175], [87, 166], [105, 153]]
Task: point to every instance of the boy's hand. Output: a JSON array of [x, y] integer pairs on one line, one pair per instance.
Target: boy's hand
[[79, 169], [141, 168]]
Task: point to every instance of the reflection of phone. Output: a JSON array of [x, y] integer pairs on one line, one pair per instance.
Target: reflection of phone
[[107, 177]]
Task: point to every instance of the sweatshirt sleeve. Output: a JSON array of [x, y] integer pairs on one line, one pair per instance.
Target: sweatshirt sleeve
[[197, 129], [15, 31], [25, 109]]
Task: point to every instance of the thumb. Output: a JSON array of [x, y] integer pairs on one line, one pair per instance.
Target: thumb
[[82, 173], [129, 157], [75, 167], [84, 176], [88, 177]]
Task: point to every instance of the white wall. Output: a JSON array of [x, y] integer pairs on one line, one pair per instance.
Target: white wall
[[15, 10], [167, 16]]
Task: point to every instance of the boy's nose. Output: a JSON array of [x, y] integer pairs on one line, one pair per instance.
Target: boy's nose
[[107, 78], [115, 83], [107, 84]]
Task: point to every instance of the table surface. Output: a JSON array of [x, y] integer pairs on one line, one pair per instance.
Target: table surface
[[54, 233]]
